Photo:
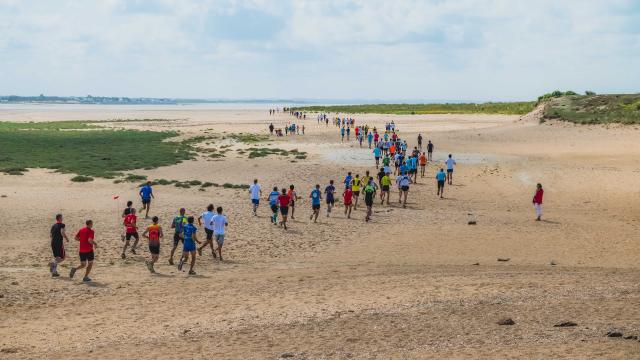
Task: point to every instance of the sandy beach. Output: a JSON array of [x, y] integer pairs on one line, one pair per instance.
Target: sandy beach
[[414, 283]]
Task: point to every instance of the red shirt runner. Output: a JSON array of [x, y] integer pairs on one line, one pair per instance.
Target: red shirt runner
[[284, 200], [84, 235]]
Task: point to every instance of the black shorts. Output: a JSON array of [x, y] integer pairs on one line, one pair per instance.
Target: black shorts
[[315, 207], [405, 188], [209, 233], [440, 184], [284, 210], [292, 203], [132, 235], [274, 208], [412, 171], [449, 170], [330, 201], [58, 249], [368, 201], [385, 187], [146, 201], [176, 239], [154, 249], [88, 256], [356, 193]]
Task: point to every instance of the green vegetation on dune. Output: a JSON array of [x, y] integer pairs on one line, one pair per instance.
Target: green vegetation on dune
[[594, 109], [507, 108], [84, 149]]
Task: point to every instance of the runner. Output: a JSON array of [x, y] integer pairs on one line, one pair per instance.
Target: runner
[[125, 212], [86, 237], [293, 195], [256, 191], [56, 235], [440, 178], [329, 193], [206, 218], [386, 160], [385, 185], [430, 151], [189, 245], [355, 187], [413, 171], [380, 176], [219, 222], [537, 201], [348, 132], [273, 202], [423, 163], [347, 196], [316, 198], [342, 130], [347, 180], [420, 141], [376, 155], [177, 224], [130, 222], [369, 195], [146, 194], [284, 201], [404, 182], [450, 163], [153, 233], [369, 138]]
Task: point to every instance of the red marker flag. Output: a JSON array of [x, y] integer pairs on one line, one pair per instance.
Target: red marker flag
[[116, 197]]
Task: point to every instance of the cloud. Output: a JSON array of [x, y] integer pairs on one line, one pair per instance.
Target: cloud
[[402, 49]]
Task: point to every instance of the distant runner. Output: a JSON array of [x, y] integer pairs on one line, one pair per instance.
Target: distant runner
[[283, 201], [273, 203], [146, 194], [450, 163], [355, 187], [430, 151], [206, 219], [219, 222], [347, 196], [423, 163], [131, 225], [293, 196], [369, 195]]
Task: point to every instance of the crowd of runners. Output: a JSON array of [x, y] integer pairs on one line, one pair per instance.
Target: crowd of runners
[[388, 150]]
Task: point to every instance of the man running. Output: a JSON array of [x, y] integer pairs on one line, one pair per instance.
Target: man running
[[273, 203], [177, 224], [404, 182], [125, 212], [153, 233], [219, 222], [131, 229], [537, 201], [423, 163], [347, 180], [316, 198], [420, 141], [283, 201], [385, 185], [146, 194], [369, 138], [189, 245], [56, 235], [429, 151], [355, 187], [293, 195], [376, 155], [342, 130], [369, 195], [205, 218], [440, 178], [347, 196], [256, 192], [450, 163], [86, 237], [329, 193]]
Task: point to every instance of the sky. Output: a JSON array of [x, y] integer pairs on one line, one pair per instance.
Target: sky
[[459, 50]]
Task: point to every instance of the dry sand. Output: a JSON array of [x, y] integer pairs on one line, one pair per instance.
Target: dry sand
[[414, 283]]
